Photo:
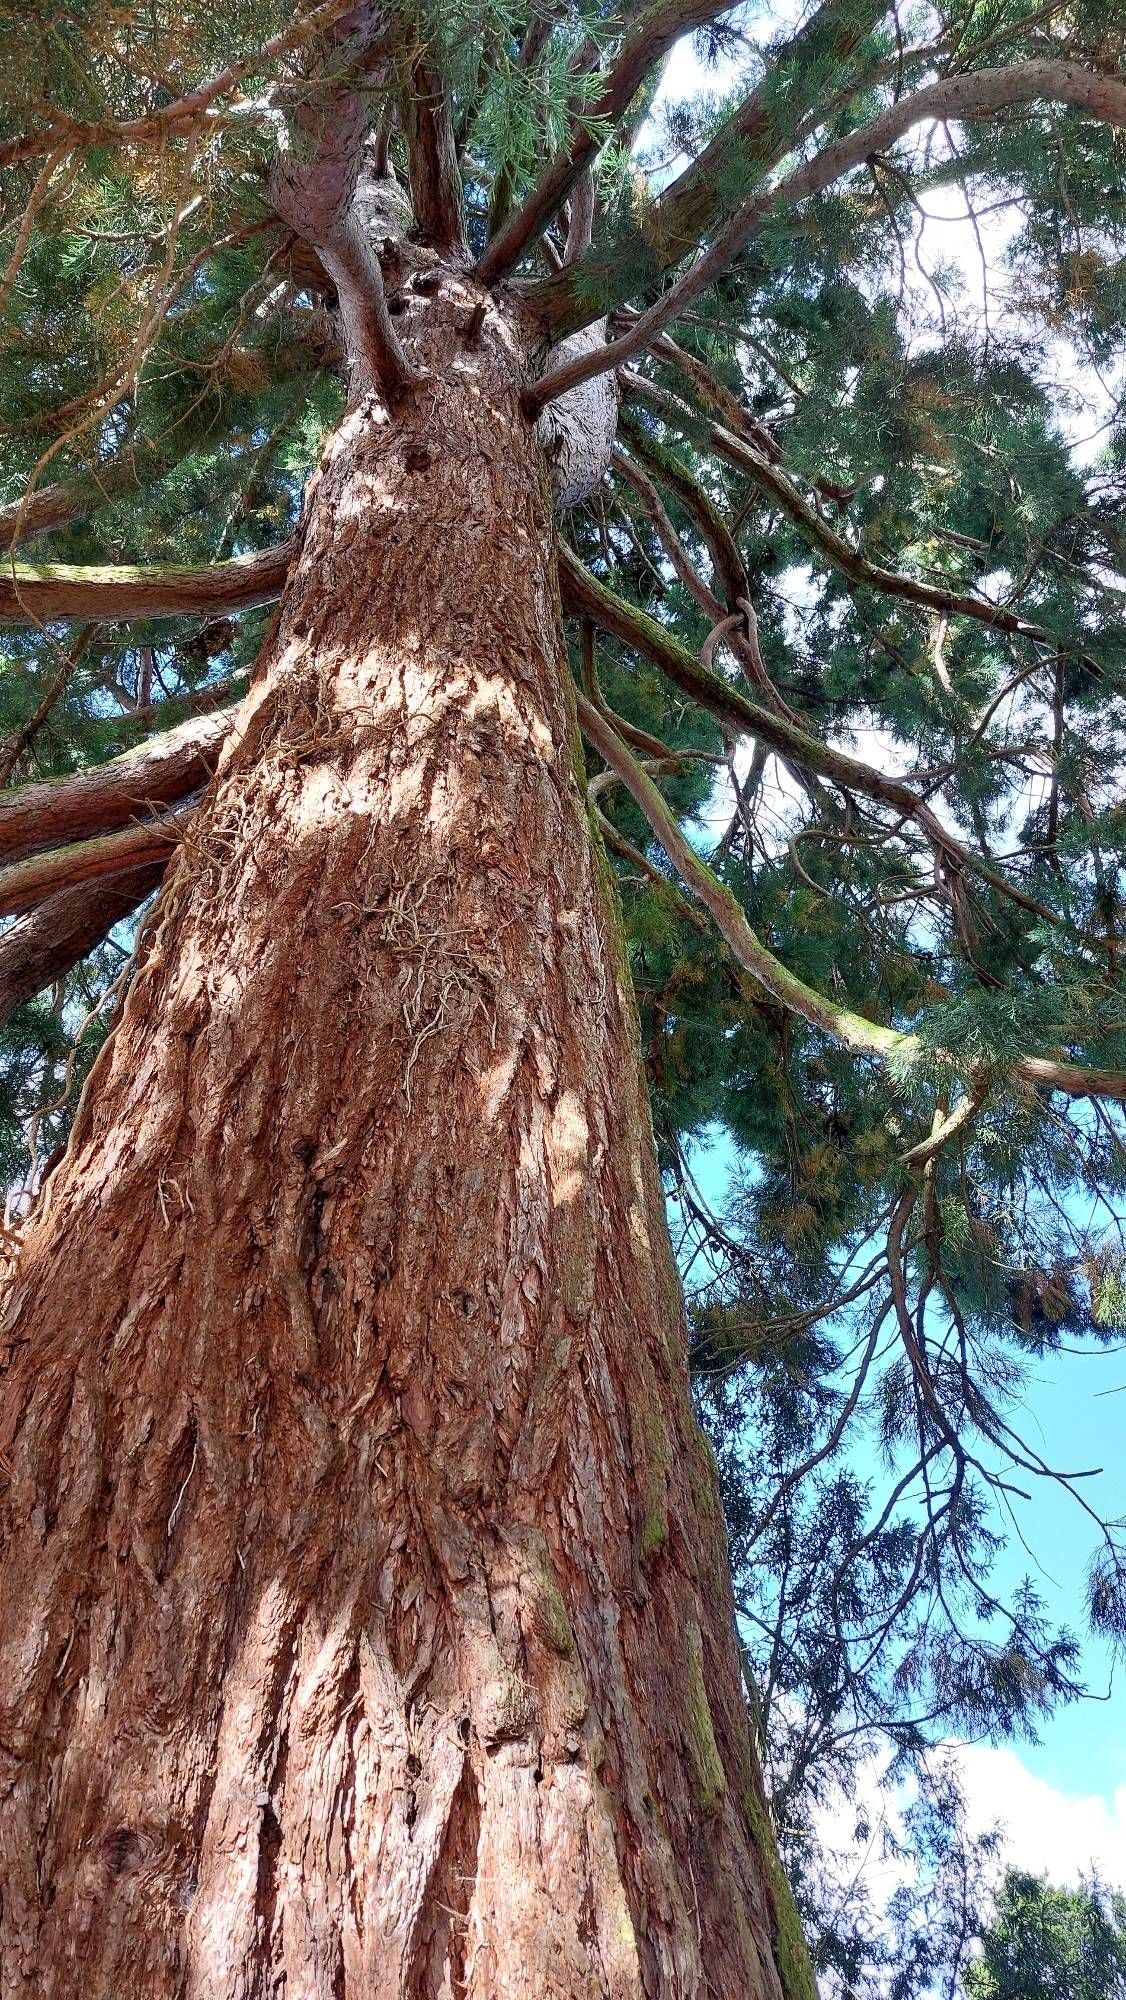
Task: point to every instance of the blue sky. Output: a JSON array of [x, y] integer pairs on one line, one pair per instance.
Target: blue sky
[[1076, 1416]]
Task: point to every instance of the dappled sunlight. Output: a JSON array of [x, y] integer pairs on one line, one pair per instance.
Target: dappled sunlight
[[568, 1148]]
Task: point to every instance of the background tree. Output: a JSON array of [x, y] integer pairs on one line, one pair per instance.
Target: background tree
[[369, 1618], [1044, 1941]]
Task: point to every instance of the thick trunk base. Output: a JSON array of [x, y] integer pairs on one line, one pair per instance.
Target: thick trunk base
[[366, 1626]]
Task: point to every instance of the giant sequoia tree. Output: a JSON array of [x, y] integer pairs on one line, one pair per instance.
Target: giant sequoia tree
[[423, 478]]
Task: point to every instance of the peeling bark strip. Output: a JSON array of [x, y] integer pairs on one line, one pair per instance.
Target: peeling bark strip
[[367, 1624]]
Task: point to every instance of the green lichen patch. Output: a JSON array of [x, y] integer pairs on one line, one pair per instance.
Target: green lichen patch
[[790, 1952], [709, 1780]]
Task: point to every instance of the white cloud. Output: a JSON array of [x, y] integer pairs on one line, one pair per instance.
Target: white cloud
[[1047, 1831]]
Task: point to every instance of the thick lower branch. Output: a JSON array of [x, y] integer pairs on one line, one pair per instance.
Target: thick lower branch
[[37, 593], [29, 882], [97, 800], [54, 937]]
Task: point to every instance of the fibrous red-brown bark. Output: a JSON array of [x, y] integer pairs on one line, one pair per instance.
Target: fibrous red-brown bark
[[366, 1627]]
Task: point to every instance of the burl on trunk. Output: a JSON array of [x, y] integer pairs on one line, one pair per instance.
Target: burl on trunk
[[366, 1622]]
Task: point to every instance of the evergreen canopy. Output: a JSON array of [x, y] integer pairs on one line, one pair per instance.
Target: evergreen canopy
[[846, 612], [1051, 1944]]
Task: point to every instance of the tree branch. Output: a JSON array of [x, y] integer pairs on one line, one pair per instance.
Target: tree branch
[[771, 479], [729, 574], [65, 501], [861, 1036], [315, 195], [105, 796], [46, 943], [973, 96], [752, 141], [37, 593], [29, 882], [205, 700], [177, 117], [733, 618], [714, 394], [580, 226], [372, 344], [659, 27], [586, 597], [435, 178], [945, 1129], [14, 746], [852, 1031]]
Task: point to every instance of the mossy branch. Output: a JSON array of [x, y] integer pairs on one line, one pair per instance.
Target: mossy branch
[[38, 593]]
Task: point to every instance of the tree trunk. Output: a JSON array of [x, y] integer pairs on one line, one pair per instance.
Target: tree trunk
[[367, 1628]]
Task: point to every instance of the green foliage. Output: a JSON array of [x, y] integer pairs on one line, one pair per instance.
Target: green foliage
[[1046, 1943]]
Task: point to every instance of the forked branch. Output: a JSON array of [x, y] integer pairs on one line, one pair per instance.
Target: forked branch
[[657, 29], [774, 481], [587, 597], [977, 95], [980, 94], [183, 113]]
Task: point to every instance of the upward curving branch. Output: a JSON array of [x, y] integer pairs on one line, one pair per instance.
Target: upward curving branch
[[978, 95], [655, 31], [313, 186], [435, 179], [749, 144], [852, 1031]]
